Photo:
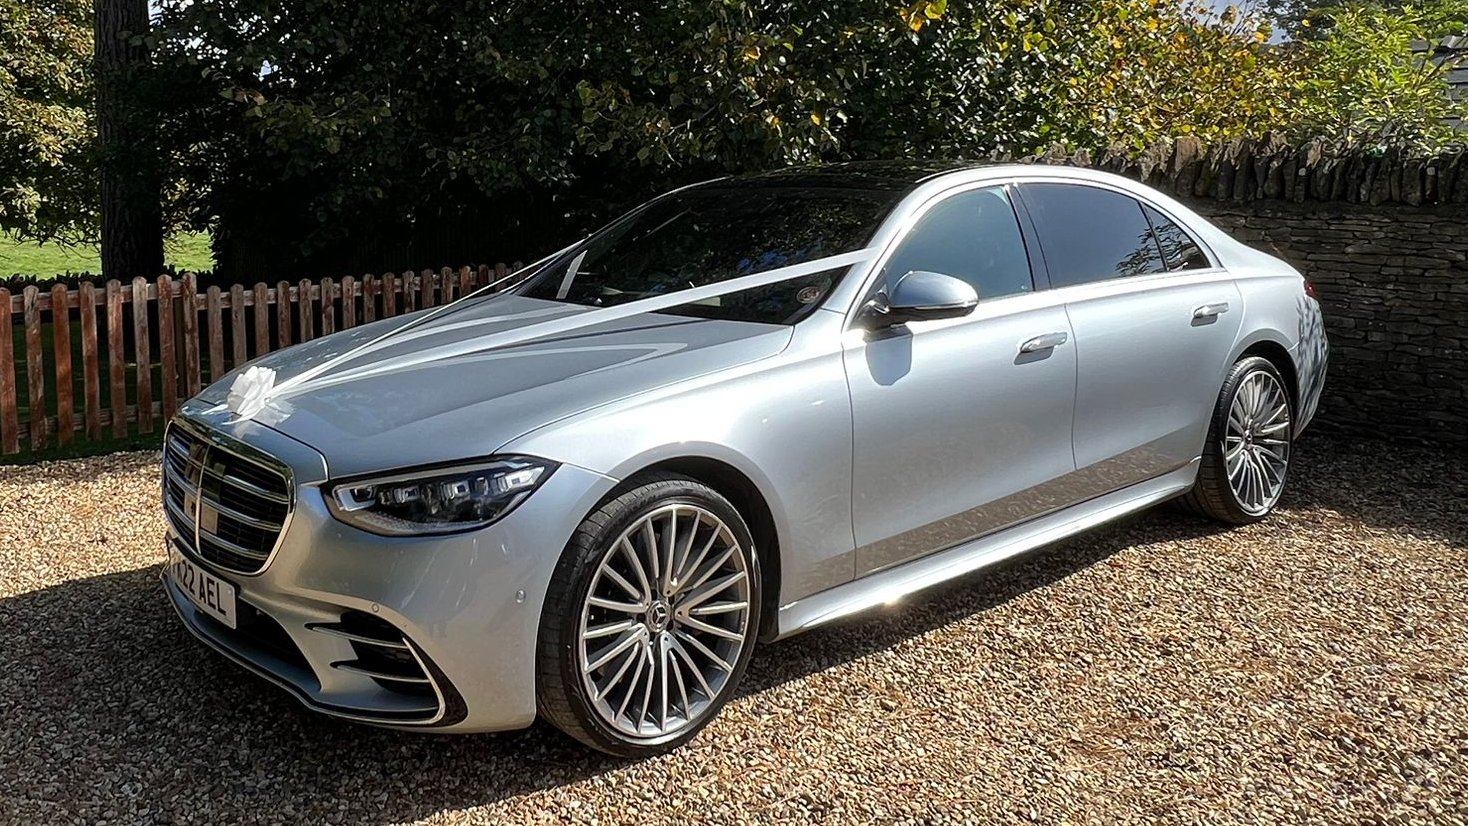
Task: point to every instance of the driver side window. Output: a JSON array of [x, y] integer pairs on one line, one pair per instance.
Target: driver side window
[[974, 236]]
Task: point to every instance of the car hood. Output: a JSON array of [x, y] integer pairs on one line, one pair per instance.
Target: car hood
[[439, 391]]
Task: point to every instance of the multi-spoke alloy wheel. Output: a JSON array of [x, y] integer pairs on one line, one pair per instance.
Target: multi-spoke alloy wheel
[[1247, 458], [650, 618], [1256, 445], [665, 621]]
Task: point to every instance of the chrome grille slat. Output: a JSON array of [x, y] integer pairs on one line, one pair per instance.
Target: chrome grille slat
[[250, 487], [228, 507], [233, 548], [183, 484], [254, 522]]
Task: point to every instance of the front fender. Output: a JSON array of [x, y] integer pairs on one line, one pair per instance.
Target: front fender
[[785, 423]]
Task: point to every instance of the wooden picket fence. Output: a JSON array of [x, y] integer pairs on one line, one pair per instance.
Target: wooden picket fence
[[160, 352]]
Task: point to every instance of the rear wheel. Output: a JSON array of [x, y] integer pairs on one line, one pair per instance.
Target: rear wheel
[[650, 618], [1246, 460]]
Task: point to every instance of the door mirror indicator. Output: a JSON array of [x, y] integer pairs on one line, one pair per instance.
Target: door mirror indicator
[[920, 296]]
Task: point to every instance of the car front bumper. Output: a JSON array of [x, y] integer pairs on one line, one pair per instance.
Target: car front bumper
[[460, 611]]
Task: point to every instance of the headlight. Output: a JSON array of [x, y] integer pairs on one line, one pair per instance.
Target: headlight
[[438, 500]]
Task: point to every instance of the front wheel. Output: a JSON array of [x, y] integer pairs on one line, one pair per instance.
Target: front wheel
[[650, 618], [1247, 457]]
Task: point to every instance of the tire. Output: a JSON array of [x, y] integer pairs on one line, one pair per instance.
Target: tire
[[617, 706], [1257, 481]]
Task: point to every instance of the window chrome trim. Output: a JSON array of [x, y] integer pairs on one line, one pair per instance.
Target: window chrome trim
[[908, 211]]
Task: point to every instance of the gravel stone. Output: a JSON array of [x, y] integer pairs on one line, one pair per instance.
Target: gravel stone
[[1311, 668]]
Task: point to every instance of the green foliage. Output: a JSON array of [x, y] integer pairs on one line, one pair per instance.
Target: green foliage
[[1366, 78], [1174, 67], [344, 112], [47, 181], [1177, 68], [296, 125]]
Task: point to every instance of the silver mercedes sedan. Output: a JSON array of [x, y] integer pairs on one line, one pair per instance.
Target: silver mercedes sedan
[[746, 408]]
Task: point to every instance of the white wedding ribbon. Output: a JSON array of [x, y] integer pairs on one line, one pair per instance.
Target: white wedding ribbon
[[560, 325]]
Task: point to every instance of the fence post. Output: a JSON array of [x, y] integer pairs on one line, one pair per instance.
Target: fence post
[[36, 380], [262, 319], [189, 332], [239, 339], [61, 355], [9, 416], [369, 298], [116, 360], [86, 302], [212, 310], [409, 293], [144, 355], [283, 337], [349, 302], [303, 307], [328, 319], [167, 355]]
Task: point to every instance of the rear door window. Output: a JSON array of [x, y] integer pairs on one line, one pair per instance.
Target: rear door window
[[1091, 234]]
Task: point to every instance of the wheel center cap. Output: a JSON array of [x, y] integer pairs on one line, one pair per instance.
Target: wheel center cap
[[658, 616]]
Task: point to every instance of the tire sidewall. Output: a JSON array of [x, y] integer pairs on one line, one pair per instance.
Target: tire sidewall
[[1219, 431], [582, 557]]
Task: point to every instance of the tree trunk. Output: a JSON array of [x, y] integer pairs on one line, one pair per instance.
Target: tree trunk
[[132, 223]]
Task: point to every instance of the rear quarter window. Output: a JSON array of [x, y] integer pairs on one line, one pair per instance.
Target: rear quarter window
[[1179, 250]]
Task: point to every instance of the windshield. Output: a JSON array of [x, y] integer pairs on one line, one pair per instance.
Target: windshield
[[714, 233]]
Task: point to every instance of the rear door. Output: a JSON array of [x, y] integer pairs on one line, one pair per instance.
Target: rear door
[[1154, 319], [957, 431]]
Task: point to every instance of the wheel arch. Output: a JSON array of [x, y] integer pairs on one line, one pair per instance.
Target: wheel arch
[[750, 501], [1277, 354]]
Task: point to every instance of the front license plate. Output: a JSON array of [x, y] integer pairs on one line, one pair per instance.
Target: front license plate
[[207, 592]]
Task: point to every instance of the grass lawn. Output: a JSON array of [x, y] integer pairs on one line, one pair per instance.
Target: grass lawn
[[186, 251]]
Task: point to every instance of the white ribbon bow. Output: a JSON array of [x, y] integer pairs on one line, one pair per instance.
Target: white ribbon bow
[[249, 392]]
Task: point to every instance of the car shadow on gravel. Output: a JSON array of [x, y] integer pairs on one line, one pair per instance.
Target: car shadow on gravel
[[110, 710]]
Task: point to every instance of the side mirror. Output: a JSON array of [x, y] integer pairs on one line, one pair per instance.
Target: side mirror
[[921, 296]]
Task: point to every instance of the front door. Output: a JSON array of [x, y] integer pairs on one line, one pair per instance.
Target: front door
[[961, 426]]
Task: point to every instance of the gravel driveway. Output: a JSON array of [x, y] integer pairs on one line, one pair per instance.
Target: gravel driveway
[[1311, 668]]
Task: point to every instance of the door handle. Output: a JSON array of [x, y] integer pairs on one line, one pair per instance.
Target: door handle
[[1049, 341], [1211, 310]]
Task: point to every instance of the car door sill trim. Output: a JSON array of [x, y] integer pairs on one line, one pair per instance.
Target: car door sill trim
[[894, 583]]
